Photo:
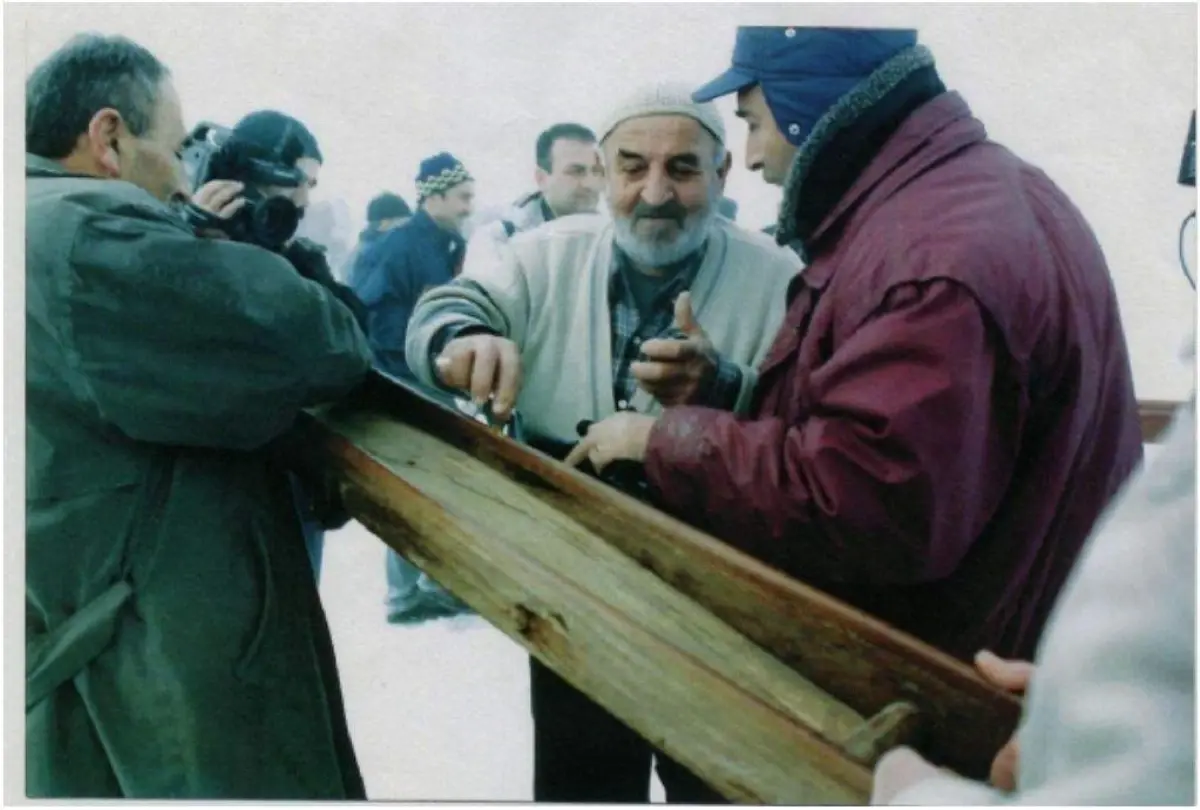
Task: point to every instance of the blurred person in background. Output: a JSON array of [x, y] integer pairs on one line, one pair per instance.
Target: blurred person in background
[[325, 224], [175, 643], [404, 262], [384, 212], [569, 176]]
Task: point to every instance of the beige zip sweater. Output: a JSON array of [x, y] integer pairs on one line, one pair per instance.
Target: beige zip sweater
[[547, 291]]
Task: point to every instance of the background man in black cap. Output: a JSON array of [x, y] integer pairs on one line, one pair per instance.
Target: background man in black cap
[[384, 212], [426, 252]]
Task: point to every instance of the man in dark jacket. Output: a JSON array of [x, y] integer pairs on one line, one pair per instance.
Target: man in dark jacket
[[949, 404], [385, 212], [175, 643], [425, 252]]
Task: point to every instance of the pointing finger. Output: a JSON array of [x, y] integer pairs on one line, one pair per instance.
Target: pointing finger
[[578, 453], [1007, 674]]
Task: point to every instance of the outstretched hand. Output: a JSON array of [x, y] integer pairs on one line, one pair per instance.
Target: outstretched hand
[[622, 436], [676, 371]]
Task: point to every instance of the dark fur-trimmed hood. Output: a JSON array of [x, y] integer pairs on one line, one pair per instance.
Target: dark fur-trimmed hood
[[892, 92]]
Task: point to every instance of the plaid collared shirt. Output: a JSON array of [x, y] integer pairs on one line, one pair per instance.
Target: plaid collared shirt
[[631, 328]]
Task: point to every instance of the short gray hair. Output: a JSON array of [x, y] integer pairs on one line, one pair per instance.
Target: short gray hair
[[88, 74]]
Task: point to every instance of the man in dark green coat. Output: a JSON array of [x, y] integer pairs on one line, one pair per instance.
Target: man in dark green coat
[[175, 643]]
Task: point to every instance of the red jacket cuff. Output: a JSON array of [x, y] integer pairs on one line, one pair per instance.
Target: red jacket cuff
[[679, 443]]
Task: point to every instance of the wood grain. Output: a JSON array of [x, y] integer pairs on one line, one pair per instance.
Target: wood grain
[[866, 665], [854, 657], [1156, 416], [683, 679]]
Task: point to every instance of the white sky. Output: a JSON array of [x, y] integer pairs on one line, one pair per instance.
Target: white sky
[[1097, 95]]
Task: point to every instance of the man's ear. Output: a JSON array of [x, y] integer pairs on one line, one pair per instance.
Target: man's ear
[[103, 133], [540, 176], [723, 170]]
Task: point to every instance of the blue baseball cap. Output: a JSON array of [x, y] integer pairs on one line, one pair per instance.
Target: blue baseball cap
[[804, 71]]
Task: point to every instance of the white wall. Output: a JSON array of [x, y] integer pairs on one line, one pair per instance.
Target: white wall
[[1097, 95]]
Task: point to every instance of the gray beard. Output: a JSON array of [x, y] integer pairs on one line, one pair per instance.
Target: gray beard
[[656, 254]]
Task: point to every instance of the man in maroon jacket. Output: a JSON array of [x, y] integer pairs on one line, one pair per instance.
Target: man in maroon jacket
[[949, 404]]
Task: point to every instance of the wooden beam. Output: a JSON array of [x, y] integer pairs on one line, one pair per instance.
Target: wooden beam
[[855, 658], [753, 728], [1156, 415], [861, 663], [897, 723]]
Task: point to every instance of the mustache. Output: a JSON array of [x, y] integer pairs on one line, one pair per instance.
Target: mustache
[[672, 209]]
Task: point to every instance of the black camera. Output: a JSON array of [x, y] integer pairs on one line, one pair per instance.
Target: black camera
[[212, 152]]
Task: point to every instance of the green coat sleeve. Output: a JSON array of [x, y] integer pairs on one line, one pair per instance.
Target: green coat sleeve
[[199, 342]]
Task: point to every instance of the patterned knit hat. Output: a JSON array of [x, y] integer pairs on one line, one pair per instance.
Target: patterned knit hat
[[439, 174]]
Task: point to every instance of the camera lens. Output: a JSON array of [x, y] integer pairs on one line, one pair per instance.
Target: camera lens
[[274, 221]]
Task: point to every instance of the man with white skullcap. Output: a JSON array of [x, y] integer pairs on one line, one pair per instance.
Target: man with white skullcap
[[666, 303]]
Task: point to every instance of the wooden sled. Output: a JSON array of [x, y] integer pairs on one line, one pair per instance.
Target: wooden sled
[[769, 690]]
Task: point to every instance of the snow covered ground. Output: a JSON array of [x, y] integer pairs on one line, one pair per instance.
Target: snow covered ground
[[438, 712]]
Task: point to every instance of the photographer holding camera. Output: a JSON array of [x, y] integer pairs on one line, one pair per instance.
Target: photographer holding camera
[[252, 185], [175, 641]]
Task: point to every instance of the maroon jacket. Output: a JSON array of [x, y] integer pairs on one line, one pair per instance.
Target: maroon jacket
[[948, 406]]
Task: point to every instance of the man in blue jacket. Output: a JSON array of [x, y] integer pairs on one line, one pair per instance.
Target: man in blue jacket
[[425, 252], [384, 213]]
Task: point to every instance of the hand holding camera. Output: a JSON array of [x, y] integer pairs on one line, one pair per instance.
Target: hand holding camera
[[221, 198], [229, 176]]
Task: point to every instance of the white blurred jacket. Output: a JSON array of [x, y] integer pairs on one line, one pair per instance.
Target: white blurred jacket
[[485, 240], [1110, 713]]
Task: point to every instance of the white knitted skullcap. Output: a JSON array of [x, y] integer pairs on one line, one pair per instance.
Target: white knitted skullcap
[[665, 98]]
